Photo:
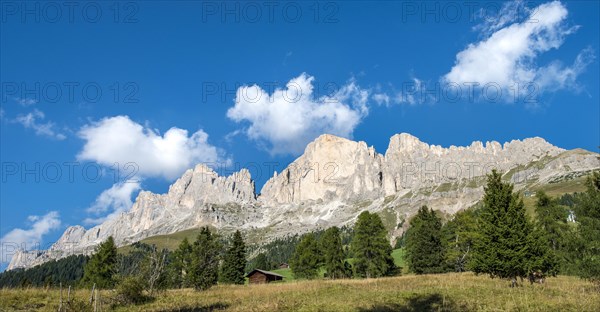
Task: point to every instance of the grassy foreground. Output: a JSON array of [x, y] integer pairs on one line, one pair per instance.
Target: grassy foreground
[[442, 292]]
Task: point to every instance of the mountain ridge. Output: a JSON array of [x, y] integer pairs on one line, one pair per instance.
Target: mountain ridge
[[329, 184]]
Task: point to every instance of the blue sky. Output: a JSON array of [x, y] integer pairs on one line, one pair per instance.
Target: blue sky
[[165, 86]]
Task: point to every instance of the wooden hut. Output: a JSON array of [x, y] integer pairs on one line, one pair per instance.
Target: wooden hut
[[284, 266], [260, 277]]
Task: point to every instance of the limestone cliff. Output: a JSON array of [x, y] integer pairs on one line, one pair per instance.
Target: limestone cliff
[[330, 184]]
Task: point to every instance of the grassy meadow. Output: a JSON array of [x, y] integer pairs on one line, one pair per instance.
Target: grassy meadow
[[441, 292]]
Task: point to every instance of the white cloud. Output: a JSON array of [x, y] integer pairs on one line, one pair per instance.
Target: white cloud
[[32, 121], [412, 93], [555, 76], [114, 200], [381, 99], [120, 140], [26, 101], [507, 57], [290, 118], [28, 239], [510, 12]]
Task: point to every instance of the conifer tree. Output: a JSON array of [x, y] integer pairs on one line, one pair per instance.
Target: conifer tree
[[370, 247], [262, 262], [459, 235], [541, 257], [333, 254], [424, 249], [234, 262], [587, 214], [551, 223], [306, 259], [181, 263], [508, 246], [552, 219], [100, 269], [204, 267]]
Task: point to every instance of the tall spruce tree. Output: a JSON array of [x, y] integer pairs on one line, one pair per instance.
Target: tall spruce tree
[[424, 249], [204, 268], [587, 214], [508, 246], [371, 250], [101, 267], [180, 264], [234, 262], [306, 259], [552, 219], [551, 222], [333, 254], [459, 235]]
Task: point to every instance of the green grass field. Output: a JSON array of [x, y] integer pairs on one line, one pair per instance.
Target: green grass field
[[287, 274], [398, 255], [440, 292]]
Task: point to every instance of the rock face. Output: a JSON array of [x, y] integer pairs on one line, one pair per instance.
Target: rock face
[[337, 168], [331, 168], [199, 197], [330, 184], [411, 163]]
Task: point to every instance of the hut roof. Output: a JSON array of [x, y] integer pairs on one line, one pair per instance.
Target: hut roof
[[263, 272]]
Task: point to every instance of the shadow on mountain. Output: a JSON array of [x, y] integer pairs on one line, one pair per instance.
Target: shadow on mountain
[[424, 302], [208, 308]]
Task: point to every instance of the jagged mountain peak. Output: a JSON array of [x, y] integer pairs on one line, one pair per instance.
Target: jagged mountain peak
[[329, 142], [330, 184], [405, 142], [329, 138]]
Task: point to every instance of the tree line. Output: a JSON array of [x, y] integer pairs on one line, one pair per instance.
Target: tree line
[[199, 264], [271, 255], [68, 270], [500, 240], [367, 256]]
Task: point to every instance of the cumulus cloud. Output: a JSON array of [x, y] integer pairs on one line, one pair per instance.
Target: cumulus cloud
[[31, 238], [113, 201], [121, 140], [33, 120], [289, 118], [507, 56]]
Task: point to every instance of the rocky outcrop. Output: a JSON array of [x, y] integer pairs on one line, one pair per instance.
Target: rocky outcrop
[[411, 163], [199, 197], [330, 168], [330, 184], [336, 168]]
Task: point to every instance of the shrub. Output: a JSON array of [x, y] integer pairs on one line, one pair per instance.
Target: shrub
[[131, 290]]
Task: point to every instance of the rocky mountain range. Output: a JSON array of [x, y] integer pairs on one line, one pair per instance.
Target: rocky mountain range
[[330, 184]]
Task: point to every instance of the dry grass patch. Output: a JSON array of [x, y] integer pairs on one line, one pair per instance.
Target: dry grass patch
[[441, 292]]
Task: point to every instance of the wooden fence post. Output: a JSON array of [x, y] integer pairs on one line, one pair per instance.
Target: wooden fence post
[[60, 302], [96, 301], [92, 294]]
